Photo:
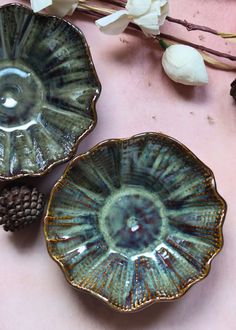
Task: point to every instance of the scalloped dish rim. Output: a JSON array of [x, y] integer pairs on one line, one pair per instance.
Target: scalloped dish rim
[[92, 105], [157, 299]]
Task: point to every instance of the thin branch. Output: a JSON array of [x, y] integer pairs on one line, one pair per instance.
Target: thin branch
[[172, 38], [191, 26], [117, 3], [200, 47], [101, 10]]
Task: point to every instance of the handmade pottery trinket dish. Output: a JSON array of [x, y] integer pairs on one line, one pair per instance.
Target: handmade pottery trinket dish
[[48, 89], [135, 221]]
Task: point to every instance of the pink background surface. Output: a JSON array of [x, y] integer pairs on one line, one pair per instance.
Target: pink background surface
[[138, 97]]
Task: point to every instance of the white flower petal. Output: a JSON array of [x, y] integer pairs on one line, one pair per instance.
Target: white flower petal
[[162, 2], [148, 14], [151, 21], [164, 13], [38, 5], [55, 7], [149, 31], [185, 65], [115, 23], [148, 23], [138, 7], [72, 9], [62, 10]]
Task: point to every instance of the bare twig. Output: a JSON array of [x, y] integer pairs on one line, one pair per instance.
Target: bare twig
[[117, 3], [191, 26], [200, 47], [172, 38]]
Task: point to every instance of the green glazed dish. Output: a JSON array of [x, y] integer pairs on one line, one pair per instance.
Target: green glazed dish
[[135, 221], [48, 89]]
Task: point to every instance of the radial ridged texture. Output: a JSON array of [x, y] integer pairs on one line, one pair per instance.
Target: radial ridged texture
[[48, 88], [135, 221]]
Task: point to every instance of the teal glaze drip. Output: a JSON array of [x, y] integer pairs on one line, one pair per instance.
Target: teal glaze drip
[[135, 221]]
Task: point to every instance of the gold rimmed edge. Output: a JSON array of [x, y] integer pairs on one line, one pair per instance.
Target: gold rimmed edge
[[92, 105], [207, 267]]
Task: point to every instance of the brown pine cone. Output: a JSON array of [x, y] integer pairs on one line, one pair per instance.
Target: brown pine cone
[[233, 89], [19, 207]]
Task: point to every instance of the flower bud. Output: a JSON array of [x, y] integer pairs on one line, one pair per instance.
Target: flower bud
[[184, 65]]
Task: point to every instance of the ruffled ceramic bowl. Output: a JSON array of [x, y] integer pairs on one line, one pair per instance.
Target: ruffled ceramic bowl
[[48, 88], [135, 221]]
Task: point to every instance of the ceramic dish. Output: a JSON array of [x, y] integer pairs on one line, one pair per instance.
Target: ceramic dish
[[135, 221], [48, 88]]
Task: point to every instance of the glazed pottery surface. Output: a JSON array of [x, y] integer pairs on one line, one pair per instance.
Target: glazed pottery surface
[[135, 221], [48, 87]]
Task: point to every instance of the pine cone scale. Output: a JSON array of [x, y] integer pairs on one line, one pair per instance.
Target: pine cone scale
[[19, 207]]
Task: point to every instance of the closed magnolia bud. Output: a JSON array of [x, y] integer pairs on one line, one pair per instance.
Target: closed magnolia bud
[[184, 65]]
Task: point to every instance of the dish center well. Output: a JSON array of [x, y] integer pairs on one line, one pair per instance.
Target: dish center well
[[132, 221], [21, 96]]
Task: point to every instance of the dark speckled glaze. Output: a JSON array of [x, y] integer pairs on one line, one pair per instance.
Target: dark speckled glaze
[[135, 221], [48, 88]]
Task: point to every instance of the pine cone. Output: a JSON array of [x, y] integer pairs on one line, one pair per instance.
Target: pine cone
[[19, 207], [233, 89]]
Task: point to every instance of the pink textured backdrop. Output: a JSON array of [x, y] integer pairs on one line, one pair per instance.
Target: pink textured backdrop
[[138, 97]]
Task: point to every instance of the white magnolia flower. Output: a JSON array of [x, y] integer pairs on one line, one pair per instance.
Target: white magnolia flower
[[149, 15], [55, 7], [185, 65]]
